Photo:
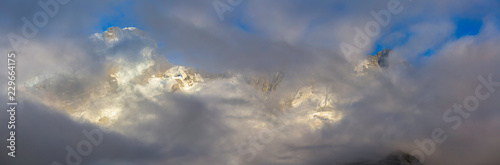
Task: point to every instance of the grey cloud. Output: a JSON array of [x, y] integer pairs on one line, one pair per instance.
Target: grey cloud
[[396, 107], [43, 134]]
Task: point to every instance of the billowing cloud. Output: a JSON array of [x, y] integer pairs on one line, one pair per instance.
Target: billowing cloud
[[268, 84]]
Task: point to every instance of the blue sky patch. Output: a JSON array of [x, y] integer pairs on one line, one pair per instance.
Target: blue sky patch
[[466, 27]]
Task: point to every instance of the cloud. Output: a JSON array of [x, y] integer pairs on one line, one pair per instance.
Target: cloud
[[380, 114], [42, 136]]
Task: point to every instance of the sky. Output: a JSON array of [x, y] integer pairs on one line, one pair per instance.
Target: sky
[[443, 53], [464, 26]]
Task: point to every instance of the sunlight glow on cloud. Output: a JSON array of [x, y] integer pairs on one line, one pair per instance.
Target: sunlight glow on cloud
[[268, 84]]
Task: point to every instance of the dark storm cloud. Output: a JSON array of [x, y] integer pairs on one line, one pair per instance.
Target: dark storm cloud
[[185, 127], [193, 30], [43, 135], [183, 130]]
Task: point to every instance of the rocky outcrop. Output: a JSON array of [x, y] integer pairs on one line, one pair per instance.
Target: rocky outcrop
[[266, 85], [379, 62], [395, 158], [382, 58], [373, 63], [184, 77]]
